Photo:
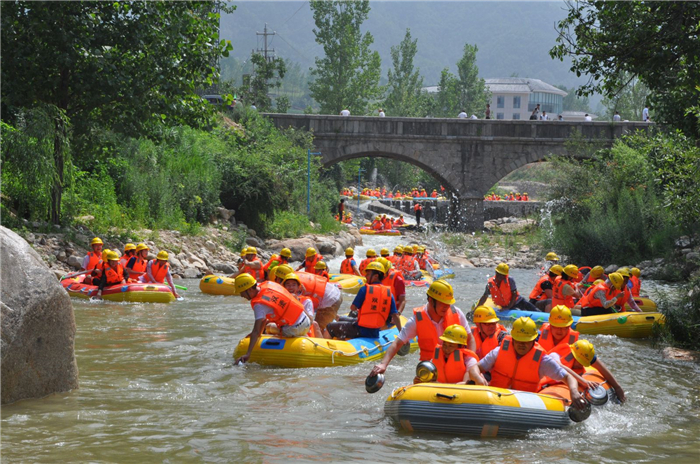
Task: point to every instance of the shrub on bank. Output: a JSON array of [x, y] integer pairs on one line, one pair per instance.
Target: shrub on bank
[[682, 326]]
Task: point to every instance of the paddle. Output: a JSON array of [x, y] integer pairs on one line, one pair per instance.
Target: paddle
[[75, 274], [180, 287]]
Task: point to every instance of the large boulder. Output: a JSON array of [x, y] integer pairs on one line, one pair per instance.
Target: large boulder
[[38, 326], [298, 247]]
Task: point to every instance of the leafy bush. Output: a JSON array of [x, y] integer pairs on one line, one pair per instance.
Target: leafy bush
[[682, 326]]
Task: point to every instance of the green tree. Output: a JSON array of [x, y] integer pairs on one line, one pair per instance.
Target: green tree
[[614, 42], [133, 67], [464, 92], [347, 77], [268, 74], [573, 102], [629, 102], [405, 82]]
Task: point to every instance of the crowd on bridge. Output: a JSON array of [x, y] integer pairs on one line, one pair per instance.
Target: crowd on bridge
[[512, 196]]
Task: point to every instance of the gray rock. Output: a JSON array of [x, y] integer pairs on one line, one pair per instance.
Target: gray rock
[[325, 247], [683, 242], [75, 262], [191, 273], [252, 233], [210, 245], [254, 241], [224, 268], [692, 256], [298, 247], [658, 262], [61, 256], [174, 262], [611, 268], [644, 264], [38, 326]]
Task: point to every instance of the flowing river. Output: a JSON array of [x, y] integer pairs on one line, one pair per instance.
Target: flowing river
[[158, 384]]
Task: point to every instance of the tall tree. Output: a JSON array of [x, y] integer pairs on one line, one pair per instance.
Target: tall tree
[[629, 101], [405, 82], [129, 66], [268, 74], [347, 77], [573, 102], [613, 42], [464, 92]]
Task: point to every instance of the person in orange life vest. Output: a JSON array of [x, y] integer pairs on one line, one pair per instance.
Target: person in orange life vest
[[251, 265], [95, 276], [549, 260], [503, 291], [277, 260], [341, 208], [428, 323], [396, 257], [293, 285], [320, 269], [375, 307], [390, 195], [434, 194], [136, 267], [519, 363], [384, 253], [627, 288], [129, 251], [409, 265], [418, 209], [557, 334], [564, 289], [270, 301], [400, 221], [348, 218], [93, 257], [455, 364], [423, 193], [581, 354], [386, 222], [525, 197], [602, 298], [636, 281], [113, 274], [158, 271], [595, 273], [349, 265], [487, 332], [371, 255], [310, 260], [377, 223], [394, 280], [541, 294]]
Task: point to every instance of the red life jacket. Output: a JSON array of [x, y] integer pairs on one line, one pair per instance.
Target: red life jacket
[[485, 345], [310, 263], [546, 340], [376, 307], [159, 271], [558, 297], [287, 309], [346, 267], [636, 285], [500, 294], [389, 279], [95, 258], [364, 263], [259, 274], [589, 300], [537, 293], [515, 373], [566, 358], [274, 261], [114, 277], [314, 286], [428, 338], [453, 369], [139, 265]]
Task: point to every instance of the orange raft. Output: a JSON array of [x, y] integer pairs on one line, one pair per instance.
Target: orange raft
[[134, 292]]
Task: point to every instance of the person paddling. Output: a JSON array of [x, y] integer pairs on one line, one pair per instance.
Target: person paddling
[[158, 271], [113, 274], [503, 291]]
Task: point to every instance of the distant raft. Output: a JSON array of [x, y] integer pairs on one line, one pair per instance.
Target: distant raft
[[300, 352], [369, 231], [217, 285], [134, 292], [348, 283]]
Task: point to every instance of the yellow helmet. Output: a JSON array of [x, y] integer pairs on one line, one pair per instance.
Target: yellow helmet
[[349, 252], [96, 241], [421, 249], [455, 334], [320, 265], [105, 252], [310, 252], [408, 250], [162, 255], [368, 224], [141, 246], [251, 251], [571, 270], [291, 276], [415, 248], [598, 281], [243, 282], [112, 256], [375, 266], [617, 280], [557, 269], [244, 251], [129, 246], [398, 249], [442, 292], [384, 252], [485, 314], [286, 252], [635, 272], [371, 253], [384, 262], [524, 330], [560, 316], [283, 270], [502, 269], [272, 272], [624, 272], [551, 256], [583, 351], [597, 271]]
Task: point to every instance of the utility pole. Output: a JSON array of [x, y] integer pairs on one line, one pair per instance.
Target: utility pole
[[268, 53]]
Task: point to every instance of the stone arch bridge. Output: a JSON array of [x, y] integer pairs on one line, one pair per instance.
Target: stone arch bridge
[[467, 156]]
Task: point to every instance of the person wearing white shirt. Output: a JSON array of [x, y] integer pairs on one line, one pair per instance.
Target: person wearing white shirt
[[617, 117], [381, 113], [345, 112], [587, 118], [544, 116], [462, 115], [645, 114], [473, 116]]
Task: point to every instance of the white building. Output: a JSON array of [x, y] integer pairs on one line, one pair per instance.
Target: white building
[[516, 97]]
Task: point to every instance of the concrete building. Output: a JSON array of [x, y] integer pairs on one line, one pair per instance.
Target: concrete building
[[516, 97]]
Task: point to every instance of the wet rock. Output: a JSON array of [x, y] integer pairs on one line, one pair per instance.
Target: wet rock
[[298, 247], [325, 247], [693, 256], [191, 273], [677, 354], [683, 242], [38, 326], [224, 268], [611, 268], [75, 262], [61, 256], [255, 242], [174, 262]]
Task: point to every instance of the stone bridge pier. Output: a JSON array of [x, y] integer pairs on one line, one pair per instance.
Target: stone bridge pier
[[466, 156]]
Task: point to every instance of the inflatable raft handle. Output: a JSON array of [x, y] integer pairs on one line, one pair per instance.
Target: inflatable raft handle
[[446, 397]]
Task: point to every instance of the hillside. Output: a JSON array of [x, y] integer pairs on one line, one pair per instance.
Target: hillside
[[513, 37]]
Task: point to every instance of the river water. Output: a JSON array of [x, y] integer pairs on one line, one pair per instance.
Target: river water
[[157, 384]]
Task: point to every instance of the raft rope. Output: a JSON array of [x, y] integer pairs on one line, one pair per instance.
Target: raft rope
[[364, 350]]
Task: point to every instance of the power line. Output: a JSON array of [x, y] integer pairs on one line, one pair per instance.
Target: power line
[[302, 6]]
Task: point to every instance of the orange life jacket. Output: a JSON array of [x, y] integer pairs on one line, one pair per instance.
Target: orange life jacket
[[500, 294], [139, 265], [314, 286], [636, 285], [399, 222], [566, 358], [485, 345], [274, 261], [546, 340], [125, 259], [589, 300], [389, 279], [558, 297], [346, 267], [94, 259], [322, 273], [522, 373], [394, 260], [364, 263], [310, 263], [587, 282], [537, 293], [159, 271], [428, 338], [407, 264], [376, 307], [287, 309], [418, 207], [452, 369], [422, 263], [114, 277]]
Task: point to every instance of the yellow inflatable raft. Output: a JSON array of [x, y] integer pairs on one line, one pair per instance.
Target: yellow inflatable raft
[[347, 282], [645, 304], [474, 410], [625, 325], [217, 285]]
